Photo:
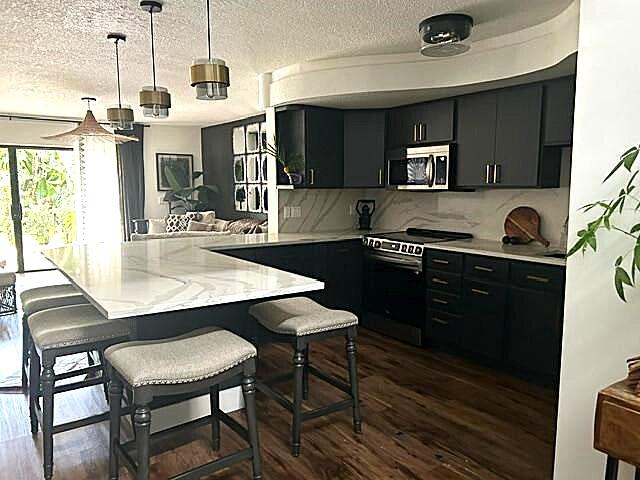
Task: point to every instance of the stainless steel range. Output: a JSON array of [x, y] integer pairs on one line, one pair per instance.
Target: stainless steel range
[[394, 300]]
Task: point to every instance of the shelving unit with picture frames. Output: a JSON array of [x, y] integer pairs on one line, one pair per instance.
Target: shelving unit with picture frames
[[250, 168]]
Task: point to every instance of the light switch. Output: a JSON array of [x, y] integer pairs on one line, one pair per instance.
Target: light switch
[[296, 212]]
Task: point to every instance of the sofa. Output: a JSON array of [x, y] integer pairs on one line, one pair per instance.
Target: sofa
[[194, 224]]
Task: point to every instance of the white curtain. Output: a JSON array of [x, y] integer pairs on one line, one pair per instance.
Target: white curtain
[[98, 198]]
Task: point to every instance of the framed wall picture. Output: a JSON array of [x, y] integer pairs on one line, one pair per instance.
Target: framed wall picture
[[178, 165]]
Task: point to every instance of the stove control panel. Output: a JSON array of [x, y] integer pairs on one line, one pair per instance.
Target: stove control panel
[[393, 246]]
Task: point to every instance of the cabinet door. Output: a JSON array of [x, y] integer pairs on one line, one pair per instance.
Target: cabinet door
[[364, 146], [402, 127], [534, 331], [324, 133], [559, 96], [482, 330], [476, 138], [344, 276], [435, 121], [518, 128]]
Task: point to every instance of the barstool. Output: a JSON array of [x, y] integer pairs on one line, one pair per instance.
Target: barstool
[[37, 299], [189, 363], [55, 333], [299, 321]]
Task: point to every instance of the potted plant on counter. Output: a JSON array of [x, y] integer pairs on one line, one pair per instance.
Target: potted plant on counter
[[292, 163], [627, 265]]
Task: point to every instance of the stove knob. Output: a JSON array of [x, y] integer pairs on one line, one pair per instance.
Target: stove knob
[[365, 242], [377, 244], [410, 248], [404, 248], [418, 251]]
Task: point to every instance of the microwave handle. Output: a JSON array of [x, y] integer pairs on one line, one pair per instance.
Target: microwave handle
[[431, 171]]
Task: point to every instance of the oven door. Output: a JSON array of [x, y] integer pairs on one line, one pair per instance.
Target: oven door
[[394, 302]]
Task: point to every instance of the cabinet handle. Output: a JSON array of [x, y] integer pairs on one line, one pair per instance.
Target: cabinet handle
[[441, 262], [440, 321], [439, 281], [312, 172], [440, 301], [415, 132], [479, 292], [496, 173], [482, 269], [379, 176], [423, 137], [487, 178], [536, 278]]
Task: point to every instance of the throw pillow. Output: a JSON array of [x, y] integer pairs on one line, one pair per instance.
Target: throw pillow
[[208, 216], [244, 225], [177, 223], [218, 225], [157, 225], [195, 226]]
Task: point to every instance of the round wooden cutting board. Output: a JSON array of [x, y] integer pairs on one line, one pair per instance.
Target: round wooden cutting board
[[524, 223]]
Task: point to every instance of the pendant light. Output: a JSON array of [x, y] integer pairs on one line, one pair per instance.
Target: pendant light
[[89, 127], [210, 75], [154, 100], [120, 117]]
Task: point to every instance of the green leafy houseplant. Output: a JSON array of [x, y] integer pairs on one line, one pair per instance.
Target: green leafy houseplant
[[627, 265], [292, 163], [193, 199]]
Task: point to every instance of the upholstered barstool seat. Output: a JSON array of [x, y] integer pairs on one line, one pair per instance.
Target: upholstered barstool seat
[[300, 316], [202, 359], [52, 296], [73, 325], [299, 321], [7, 293], [193, 357]]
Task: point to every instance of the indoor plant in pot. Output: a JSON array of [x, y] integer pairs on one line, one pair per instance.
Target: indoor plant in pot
[[292, 163], [627, 265], [198, 198]]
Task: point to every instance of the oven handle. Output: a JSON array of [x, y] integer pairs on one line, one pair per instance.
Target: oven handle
[[413, 265]]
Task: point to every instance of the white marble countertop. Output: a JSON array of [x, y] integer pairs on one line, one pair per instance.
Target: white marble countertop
[[139, 278]]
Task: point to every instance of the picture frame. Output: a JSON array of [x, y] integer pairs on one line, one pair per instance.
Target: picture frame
[[181, 165]]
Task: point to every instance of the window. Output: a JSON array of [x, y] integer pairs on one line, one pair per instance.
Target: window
[[250, 167]]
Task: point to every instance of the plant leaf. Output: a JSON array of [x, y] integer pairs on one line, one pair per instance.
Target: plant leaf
[[621, 278], [629, 157]]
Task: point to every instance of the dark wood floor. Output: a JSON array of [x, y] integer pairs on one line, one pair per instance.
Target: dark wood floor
[[427, 415]]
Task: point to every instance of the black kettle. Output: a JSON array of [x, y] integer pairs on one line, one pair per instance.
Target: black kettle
[[365, 209]]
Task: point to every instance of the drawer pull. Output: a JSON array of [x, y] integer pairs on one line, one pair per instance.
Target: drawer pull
[[441, 262], [440, 301], [440, 321], [440, 281], [479, 292], [536, 278], [480, 268]]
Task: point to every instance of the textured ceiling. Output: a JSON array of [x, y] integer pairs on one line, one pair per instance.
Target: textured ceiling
[[55, 52]]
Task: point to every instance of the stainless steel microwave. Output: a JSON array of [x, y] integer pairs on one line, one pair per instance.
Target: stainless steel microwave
[[422, 168]]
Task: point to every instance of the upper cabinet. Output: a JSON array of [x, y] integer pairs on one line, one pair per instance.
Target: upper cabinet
[[316, 134], [421, 124], [364, 146], [558, 111], [499, 140]]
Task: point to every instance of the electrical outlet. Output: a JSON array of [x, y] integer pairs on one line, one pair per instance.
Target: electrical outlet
[[296, 212], [287, 212]]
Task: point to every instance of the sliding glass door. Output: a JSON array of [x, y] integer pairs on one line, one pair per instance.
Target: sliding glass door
[[37, 202]]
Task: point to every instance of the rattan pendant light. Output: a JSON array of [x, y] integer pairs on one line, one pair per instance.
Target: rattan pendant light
[[154, 100], [210, 75], [120, 117], [90, 128]]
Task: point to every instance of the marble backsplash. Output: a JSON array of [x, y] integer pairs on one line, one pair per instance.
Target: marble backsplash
[[481, 212]]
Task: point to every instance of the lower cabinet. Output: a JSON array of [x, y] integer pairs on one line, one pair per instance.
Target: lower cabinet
[[506, 311]]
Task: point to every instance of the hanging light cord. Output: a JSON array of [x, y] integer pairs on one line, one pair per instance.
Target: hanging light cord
[[153, 54], [118, 74], [208, 30]]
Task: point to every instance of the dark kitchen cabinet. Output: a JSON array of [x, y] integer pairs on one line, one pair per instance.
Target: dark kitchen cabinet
[[317, 135], [476, 138], [484, 318], [364, 147], [423, 123], [559, 96]]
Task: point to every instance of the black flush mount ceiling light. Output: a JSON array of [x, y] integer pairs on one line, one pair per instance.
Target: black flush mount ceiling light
[[120, 117], [154, 100], [445, 35], [210, 75]]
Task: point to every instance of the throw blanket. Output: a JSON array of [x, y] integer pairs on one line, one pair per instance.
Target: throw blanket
[[244, 225]]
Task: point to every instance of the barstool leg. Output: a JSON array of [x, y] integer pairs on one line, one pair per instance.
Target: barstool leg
[[305, 375], [249, 392], [637, 475], [115, 402], [353, 379], [25, 353], [611, 471], [48, 380], [298, 373], [34, 386], [214, 401], [142, 427]]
